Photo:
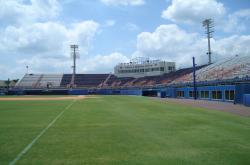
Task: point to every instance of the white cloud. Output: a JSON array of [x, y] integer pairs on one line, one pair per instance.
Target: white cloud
[[237, 21], [19, 12], [171, 43], [42, 64], [47, 38], [45, 46], [123, 2], [82, 33], [103, 63], [193, 11], [95, 64], [35, 37], [3, 69], [167, 42], [12, 72], [232, 45]]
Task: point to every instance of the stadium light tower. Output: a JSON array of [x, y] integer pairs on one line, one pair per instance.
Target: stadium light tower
[[27, 69], [208, 24], [74, 55]]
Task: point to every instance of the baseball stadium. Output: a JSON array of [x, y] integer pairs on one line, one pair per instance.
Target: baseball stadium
[[226, 80], [145, 111]]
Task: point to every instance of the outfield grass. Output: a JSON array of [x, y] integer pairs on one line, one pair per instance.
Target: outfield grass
[[121, 130]]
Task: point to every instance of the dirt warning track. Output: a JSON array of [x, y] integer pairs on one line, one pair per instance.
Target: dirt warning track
[[236, 109]]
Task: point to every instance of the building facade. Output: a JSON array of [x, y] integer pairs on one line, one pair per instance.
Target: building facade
[[141, 67]]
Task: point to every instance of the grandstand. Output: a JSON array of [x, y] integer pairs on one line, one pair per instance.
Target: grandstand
[[60, 80], [97, 80], [231, 68], [7, 83], [40, 81], [215, 80], [84, 80]]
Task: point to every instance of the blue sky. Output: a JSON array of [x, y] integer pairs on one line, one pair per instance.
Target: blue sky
[[38, 33]]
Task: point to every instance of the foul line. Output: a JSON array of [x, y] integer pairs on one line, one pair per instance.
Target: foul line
[[26, 149]]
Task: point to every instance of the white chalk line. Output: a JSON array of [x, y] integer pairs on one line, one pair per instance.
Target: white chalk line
[[27, 148]]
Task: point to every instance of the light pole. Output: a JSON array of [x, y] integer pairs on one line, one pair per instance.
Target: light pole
[[74, 55], [27, 69], [208, 24]]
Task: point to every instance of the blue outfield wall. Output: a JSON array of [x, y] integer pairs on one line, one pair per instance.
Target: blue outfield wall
[[131, 92], [16, 92], [105, 91], [75, 91], [246, 100], [119, 91], [221, 88], [78, 92], [171, 92], [241, 90]]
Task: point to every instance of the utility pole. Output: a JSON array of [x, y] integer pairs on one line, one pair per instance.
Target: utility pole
[[209, 24], [74, 55], [194, 80]]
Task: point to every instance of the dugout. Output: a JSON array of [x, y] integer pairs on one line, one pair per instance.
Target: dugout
[[150, 93]]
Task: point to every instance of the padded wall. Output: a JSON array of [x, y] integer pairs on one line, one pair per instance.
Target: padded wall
[[241, 89]]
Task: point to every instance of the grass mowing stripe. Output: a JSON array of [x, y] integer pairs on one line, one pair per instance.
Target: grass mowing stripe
[[26, 149]]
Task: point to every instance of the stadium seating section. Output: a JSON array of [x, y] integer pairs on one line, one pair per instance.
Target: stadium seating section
[[235, 67], [40, 81], [84, 80], [231, 68]]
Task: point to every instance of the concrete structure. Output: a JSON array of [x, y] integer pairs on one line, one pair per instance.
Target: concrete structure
[[141, 67]]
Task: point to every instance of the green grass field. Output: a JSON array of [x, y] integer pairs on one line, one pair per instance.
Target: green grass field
[[121, 130]]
